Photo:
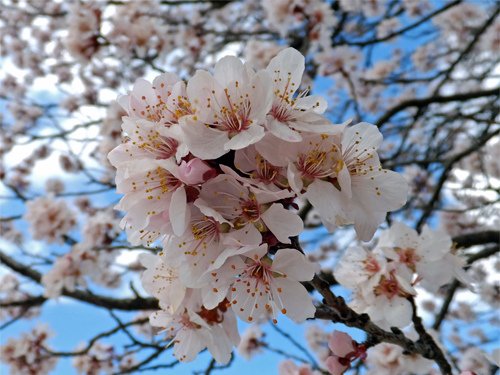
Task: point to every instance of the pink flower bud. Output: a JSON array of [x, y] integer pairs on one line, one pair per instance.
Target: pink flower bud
[[334, 365], [195, 171], [341, 344], [344, 351]]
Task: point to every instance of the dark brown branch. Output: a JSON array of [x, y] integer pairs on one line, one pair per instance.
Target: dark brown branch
[[95, 339], [427, 339], [478, 238], [424, 102], [127, 304], [148, 359], [14, 319], [28, 302]]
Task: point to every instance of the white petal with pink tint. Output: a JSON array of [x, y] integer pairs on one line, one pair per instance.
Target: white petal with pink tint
[[330, 204], [178, 212], [194, 171], [282, 222], [294, 301], [245, 138], [203, 142], [282, 130], [294, 264]]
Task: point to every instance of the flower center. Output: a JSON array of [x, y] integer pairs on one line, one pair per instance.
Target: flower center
[[318, 163], [409, 257], [160, 147], [389, 287], [265, 171], [232, 117], [182, 107], [161, 113], [250, 210], [371, 265], [206, 228], [216, 315], [187, 323], [159, 181]]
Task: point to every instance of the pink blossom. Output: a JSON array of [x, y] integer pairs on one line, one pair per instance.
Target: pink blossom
[[428, 254], [49, 218], [196, 328], [153, 190], [230, 108], [207, 242], [243, 206], [195, 171], [290, 114], [162, 282], [341, 176], [259, 285], [344, 351], [27, 354], [249, 344]]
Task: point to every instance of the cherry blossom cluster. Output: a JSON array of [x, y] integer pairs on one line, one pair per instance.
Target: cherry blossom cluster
[[102, 359], [384, 278], [338, 352], [11, 291], [76, 267], [214, 169], [27, 354], [49, 218]]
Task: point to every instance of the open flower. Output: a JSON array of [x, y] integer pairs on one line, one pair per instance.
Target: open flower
[[250, 342], [368, 191], [162, 281], [163, 102], [153, 190], [387, 301], [244, 206], [191, 331], [428, 254], [152, 124], [208, 237], [358, 267], [260, 286], [292, 113], [341, 176], [260, 170], [148, 140], [230, 108]]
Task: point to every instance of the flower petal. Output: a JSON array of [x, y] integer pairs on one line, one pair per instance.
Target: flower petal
[[294, 264], [288, 65], [293, 300], [282, 223], [329, 203], [245, 138], [282, 130], [178, 212], [203, 142], [340, 343]]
